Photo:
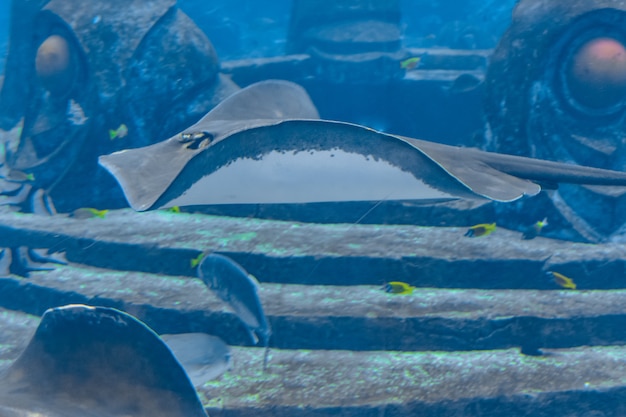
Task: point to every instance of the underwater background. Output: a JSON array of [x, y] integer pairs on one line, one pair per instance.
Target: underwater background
[[343, 305]]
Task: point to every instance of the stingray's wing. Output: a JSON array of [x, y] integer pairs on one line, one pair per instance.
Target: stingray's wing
[[305, 161], [269, 99], [507, 178], [97, 361], [468, 167]]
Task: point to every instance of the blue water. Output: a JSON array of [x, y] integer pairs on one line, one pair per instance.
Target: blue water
[[4, 31], [259, 29]]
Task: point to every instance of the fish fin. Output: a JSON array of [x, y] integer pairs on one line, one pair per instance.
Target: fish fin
[[467, 166], [269, 99], [204, 357], [112, 134], [253, 336], [100, 361]]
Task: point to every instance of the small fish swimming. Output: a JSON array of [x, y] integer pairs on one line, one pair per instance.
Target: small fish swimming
[[562, 280], [19, 176], [175, 209], [75, 113], [88, 213], [482, 229], [533, 231], [196, 261], [235, 286], [464, 83], [118, 133], [410, 63], [398, 287]]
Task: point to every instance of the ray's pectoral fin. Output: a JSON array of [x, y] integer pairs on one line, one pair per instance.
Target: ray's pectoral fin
[[468, 167], [491, 183], [97, 361], [505, 178]]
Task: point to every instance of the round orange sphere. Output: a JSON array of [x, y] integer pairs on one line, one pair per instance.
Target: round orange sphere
[[53, 64], [596, 75]]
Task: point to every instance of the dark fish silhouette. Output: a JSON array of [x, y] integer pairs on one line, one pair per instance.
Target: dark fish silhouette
[[464, 83], [264, 145], [235, 286], [533, 231], [96, 361]]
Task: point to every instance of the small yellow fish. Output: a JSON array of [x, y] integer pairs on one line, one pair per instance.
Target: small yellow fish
[[563, 281], [174, 209], [410, 63], [482, 229], [120, 132], [196, 261], [88, 213], [534, 230], [398, 287]]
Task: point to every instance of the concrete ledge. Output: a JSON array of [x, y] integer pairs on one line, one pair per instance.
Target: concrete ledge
[[329, 254], [305, 383], [340, 317]]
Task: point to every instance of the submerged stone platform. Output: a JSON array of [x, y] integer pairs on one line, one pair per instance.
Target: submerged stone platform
[[341, 345]]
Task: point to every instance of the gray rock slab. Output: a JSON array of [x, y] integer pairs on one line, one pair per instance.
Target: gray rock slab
[[302, 65], [309, 382], [489, 383], [330, 254], [339, 317], [348, 348]]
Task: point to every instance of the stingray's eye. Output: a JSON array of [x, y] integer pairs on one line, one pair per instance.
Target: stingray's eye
[[54, 65], [595, 73], [196, 140]]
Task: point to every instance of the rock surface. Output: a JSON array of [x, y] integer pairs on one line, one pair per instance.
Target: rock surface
[[341, 345]]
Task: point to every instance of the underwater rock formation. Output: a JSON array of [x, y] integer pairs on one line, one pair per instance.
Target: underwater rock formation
[[556, 90]]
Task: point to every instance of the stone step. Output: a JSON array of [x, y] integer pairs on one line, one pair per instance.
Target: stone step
[[321, 254], [349, 348], [340, 317], [585, 381], [301, 66]]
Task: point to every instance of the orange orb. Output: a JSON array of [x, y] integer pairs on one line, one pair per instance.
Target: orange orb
[[52, 64], [597, 73]]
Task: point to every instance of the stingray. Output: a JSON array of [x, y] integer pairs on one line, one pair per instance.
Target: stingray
[[266, 145], [96, 361]]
